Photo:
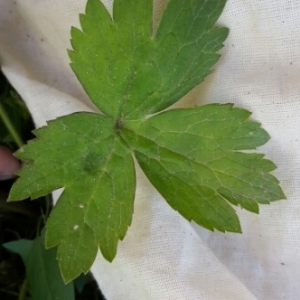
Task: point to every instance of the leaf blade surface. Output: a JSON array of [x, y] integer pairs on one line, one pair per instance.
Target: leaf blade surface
[[138, 73], [198, 148], [97, 173]]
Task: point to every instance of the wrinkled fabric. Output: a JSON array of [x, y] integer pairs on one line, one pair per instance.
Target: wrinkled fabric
[[163, 256]]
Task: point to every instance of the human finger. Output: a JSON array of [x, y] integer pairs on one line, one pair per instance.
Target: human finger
[[9, 164]]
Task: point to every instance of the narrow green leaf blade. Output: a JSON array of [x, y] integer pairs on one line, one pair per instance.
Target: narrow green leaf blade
[[42, 270], [82, 153], [21, 247]]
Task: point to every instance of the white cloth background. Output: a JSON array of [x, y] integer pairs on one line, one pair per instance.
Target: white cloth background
[[163, 256]]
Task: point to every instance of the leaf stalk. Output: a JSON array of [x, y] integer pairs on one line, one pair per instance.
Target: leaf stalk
[[10, 127]]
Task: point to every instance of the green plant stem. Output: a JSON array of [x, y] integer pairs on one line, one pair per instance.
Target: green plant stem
[[22, 295], [10, 127]]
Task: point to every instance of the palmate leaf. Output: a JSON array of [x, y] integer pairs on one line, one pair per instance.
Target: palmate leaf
[[192, 156]]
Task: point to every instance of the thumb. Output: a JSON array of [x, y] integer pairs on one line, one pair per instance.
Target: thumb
[[9, 164]]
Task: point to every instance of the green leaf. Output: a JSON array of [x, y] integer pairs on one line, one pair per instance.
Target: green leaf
[[191, 157], [42, 270], [194, 157], [21, 247], [140, 74], [97, 172]]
